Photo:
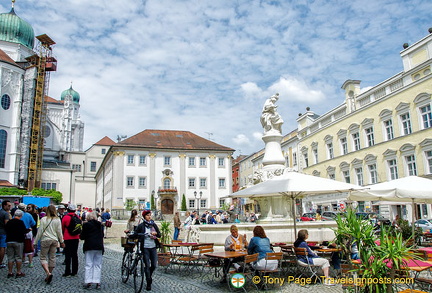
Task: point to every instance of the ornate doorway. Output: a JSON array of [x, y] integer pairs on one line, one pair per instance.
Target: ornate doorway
[[167, 206]]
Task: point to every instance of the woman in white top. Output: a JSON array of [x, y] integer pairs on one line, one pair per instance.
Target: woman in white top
[[133, 221], [50, 234]]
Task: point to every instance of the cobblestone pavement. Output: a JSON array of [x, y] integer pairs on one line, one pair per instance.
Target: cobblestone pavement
[[173, 281]]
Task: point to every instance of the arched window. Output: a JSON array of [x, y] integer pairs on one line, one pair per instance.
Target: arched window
[[167, 183], [5, 101], [3, 144]]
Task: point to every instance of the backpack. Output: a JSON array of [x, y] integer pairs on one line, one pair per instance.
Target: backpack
[[75, 226]]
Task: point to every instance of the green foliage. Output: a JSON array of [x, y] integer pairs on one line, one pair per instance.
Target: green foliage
[[165, 230], [152, 202], [130, 204], [183, 203], [12, 191], [225, 206], [405, 229]]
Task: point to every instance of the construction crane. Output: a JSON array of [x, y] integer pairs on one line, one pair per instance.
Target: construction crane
[[45, 63]]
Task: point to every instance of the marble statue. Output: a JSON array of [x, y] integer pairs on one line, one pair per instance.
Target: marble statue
[[270, 118]]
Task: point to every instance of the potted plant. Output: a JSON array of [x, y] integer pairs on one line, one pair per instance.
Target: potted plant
[[164, 257], [183, 207]]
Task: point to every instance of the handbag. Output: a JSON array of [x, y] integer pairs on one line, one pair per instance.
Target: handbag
[[108, 223], [28, 246]]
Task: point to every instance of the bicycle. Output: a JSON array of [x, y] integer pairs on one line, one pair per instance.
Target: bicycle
[[158, 216], [133, 264]]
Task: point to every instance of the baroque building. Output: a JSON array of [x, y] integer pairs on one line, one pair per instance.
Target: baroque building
[[375, 135], [167, 163]]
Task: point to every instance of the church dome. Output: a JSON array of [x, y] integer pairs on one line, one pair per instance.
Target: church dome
[[16, 30], [71, 92]]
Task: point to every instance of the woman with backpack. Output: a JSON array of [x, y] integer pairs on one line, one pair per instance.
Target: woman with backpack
[[71, 227]]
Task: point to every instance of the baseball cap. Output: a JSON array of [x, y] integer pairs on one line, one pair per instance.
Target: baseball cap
[[71, 207], [61, 207], [22, 206]]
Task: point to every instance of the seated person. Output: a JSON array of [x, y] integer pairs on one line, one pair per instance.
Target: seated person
[[261, 244], [354, 251], [312, 258], [234, 242]]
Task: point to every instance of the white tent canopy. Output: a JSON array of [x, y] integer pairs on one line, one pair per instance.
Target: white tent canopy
[[295, 185]]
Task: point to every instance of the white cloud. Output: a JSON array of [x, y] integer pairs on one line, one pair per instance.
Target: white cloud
[[241, 140]]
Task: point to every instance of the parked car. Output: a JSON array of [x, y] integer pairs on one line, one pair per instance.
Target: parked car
[[330, 216], [426, 225], [365, 216], [308, 217]]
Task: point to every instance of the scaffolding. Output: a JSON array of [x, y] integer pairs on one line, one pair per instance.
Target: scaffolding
[[45, 63]]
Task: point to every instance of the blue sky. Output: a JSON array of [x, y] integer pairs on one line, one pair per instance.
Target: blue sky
[[207, 66]]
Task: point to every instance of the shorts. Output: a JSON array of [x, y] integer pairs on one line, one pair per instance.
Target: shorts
[[3, 240], [15, 251]]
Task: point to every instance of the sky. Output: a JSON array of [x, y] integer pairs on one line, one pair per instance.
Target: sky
[[207, 66]]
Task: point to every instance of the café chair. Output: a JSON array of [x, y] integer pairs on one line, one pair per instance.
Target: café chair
[[270, 256], [306, 268], [246, 270], [289, 260]]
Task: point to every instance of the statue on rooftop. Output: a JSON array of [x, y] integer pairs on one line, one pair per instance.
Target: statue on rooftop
[[270, 118]]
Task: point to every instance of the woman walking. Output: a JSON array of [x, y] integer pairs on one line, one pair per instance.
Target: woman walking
[[133, 221], [93, 247], [149, 244], [177, 224], [50, 234]]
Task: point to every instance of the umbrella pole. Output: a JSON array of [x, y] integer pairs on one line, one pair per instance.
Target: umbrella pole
[[413, 218], [294, 217]]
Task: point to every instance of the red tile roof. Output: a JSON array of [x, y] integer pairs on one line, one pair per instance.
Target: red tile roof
[[53, 101], [5, 183], [171, 139], [5, 58], [105, 141]]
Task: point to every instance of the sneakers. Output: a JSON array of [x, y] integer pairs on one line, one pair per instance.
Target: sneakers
[[10, 275], [329, 282], [19, 275], [26, 262], [2, 266], [31, 265]]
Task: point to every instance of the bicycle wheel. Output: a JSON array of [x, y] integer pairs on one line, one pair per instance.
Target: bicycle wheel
[[126, 265], [138, 273]]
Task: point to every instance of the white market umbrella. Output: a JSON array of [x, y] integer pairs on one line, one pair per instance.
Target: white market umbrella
[[295, 185], [411, 189]]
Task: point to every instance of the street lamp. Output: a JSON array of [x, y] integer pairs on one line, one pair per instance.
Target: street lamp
[[198, 197]]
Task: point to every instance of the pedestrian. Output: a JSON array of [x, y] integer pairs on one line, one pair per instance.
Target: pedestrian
[[32, 210], [50, 235], [93, 248], [12, 211], [29, 223], [148, 245], [71, 243], [15, 234], [4, 218], [177, 224], [133, 221], [105, 217]]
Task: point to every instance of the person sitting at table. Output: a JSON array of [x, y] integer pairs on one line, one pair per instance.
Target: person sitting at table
[[233, 242], [261, 244], [312, 258]]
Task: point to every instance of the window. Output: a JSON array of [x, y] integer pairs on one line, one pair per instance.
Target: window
[[306, 159], [428, 155], [92, 166], [356, 141], [370, 136], [221, 203], [426, 116], [142, 159], [330, 150], [406, 123], [130, 159], [203, 203], [344, 145], [388, 125], [192, 203], [191, 161], [3, 144], [294, 159], [167, 161], [142, 182], [167, 183], [103, 151], [203, 182], [221, 162], [221, 182], [346, 176], [315, 154], [5, 102], [129, 182], [203, 162], [76, 167], [373, 174], [411, 165], [191, 182], [49, 185], [359, 175], [393, 169]]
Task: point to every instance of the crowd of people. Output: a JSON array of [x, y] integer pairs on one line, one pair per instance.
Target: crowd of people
[[27, 231]]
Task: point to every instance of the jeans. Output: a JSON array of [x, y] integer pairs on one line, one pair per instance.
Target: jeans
[[150, 261], [176, 233], [71, 255]]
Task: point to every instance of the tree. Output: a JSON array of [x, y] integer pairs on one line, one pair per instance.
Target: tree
[[57, 196], [152, 202], [183, 203]]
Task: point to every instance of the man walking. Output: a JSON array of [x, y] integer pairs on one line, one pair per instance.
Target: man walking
[[4, 218], [15, 234], [71, 243]]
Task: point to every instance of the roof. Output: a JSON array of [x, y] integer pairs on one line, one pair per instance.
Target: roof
[[5, 183], [52, 100], [105, 141], [172, 139], [5, 58]]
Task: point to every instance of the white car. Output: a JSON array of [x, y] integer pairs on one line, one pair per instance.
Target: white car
[[426, 225]]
